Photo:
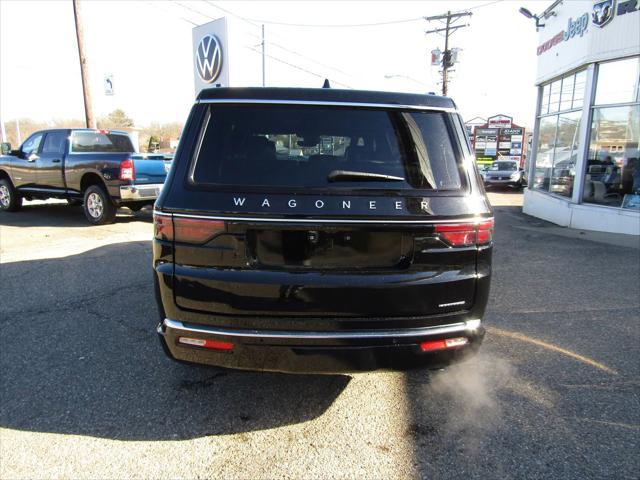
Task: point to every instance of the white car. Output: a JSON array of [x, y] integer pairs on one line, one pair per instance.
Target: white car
[[505, 173]]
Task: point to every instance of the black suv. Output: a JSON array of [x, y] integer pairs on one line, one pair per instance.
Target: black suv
[[321, 230]]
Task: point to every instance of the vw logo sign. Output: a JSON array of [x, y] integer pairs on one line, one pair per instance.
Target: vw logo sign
[[209, 58]]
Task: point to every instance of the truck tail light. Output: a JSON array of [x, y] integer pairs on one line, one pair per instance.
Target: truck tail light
[[186, 230], [127, 172], [466, 234]]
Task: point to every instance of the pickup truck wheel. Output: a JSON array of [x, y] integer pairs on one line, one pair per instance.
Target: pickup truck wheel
[[10, 200], [98, 207]]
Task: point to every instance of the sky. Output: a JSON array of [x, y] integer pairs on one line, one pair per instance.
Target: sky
[[147, 47]]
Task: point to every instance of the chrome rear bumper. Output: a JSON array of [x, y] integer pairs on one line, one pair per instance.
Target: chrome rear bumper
[[469, 326], [140, 192], [319, 352]]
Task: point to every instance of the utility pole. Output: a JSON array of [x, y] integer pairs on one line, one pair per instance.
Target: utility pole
[[84, 73], [450, 19], [263, 55]]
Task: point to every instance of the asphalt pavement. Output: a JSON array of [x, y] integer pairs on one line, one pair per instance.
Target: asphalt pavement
[[86, 391]]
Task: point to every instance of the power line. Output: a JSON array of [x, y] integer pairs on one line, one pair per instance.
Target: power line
[[193, 10], [339, 25], [479, 6], [275, 44], [232, 14], [272, 43], [256, 21], [154, 5], [297, 67]]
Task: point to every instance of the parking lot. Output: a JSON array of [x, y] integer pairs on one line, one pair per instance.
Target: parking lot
[[86, 391]]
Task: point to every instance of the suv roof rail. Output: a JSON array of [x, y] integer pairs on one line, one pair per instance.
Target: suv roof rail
[[333, 95]]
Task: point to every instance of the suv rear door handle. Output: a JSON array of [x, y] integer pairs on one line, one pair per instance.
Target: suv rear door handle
[[55, 160]]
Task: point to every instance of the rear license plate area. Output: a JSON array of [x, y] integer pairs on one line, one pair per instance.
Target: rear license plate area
[[317, 249]]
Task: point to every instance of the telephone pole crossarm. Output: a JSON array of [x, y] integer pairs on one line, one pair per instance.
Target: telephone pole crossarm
[[448, 16], [451, 29]]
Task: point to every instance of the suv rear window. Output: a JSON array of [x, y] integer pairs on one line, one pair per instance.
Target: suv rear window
[[100, 142], [325, 147]]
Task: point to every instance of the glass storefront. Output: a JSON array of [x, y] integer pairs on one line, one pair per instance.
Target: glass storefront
[[556, 156], [611, 172]]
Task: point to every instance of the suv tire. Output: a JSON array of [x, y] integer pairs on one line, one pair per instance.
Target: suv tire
[[10, 200], [98, 207]]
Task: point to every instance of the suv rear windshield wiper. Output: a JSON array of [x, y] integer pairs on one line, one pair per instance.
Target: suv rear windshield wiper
[[346, 175]]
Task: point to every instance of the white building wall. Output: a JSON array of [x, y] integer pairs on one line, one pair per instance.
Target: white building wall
[[617, 39], [588, 44], [583, 217]]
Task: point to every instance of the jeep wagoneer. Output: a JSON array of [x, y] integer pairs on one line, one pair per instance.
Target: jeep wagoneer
[[322, 230]]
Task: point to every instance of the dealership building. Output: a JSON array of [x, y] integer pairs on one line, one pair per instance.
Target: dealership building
[[585, 158]]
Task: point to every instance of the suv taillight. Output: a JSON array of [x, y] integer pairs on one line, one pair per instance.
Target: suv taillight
[[186, 230], [162, 226], [466, 234], [127, 172]]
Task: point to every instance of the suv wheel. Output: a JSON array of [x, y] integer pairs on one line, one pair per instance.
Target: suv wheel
[[10, 201], [98, 207]]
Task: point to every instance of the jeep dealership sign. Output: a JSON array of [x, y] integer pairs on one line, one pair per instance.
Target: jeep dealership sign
[[210, 55], [586, 31]]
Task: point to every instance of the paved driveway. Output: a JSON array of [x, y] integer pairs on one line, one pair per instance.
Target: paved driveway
[[86, 391]]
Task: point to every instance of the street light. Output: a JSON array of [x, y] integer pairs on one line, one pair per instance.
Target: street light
[[528, 14]]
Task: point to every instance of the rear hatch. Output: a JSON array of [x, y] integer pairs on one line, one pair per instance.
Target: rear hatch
[[308, 211]]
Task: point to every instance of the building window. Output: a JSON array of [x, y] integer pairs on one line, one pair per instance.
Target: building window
[[565, 155], [618, 81], [560, 114], [578, 90], [612, 175], [613, 168]]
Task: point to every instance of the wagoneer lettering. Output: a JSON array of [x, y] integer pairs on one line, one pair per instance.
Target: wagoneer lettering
[[306, 230]]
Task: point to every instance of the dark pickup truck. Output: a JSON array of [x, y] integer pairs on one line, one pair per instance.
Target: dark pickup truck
[[96, 168]]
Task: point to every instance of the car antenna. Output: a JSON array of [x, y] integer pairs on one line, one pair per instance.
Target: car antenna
[[326, 83]]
